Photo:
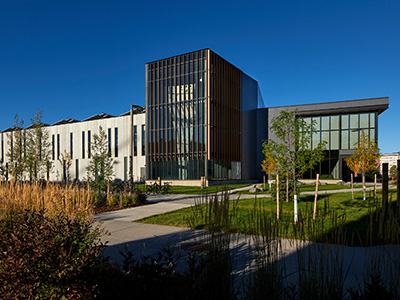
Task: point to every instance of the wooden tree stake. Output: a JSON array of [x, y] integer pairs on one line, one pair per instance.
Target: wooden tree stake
[[277, 196]]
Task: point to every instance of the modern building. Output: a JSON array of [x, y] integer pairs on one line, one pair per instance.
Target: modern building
[[197, 107], [204, 118], [76, 137], [390, 159]]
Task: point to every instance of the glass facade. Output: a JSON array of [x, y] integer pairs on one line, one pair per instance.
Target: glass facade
[[193, 116], [341, 132]]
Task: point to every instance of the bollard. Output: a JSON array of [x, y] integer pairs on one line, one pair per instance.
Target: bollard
[[295, 209]]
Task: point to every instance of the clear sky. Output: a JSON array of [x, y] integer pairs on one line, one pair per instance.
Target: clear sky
[[74, 59]]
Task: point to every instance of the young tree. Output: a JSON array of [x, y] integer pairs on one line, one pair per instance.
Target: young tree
[[15, 154], [292, 153], [364, 159], [393, 172], [38, 149], [101, 166]]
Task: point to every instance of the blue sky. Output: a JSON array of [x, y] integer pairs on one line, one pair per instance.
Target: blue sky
[[73, 59]]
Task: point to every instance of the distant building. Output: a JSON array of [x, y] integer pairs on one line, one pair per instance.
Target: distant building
[[205, 117], [388, 158]]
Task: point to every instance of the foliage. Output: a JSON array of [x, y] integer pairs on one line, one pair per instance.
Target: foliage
[[15, 153], [269, 163], [282, 190], [101, 164], [364, 159], [292, 154], [43, 257], [52, 198], [38, 149], [393, 172]]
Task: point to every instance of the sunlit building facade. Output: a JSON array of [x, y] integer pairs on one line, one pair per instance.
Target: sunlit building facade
[[195, 106]]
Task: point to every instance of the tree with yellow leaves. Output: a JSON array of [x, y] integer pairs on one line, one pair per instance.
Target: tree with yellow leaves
[[364, 159]]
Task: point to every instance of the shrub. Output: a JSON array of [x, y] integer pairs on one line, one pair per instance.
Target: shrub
[[139, 197], [282, 190], [44, 256]]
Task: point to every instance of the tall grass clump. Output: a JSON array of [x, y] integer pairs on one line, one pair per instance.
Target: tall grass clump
[[52, 198]]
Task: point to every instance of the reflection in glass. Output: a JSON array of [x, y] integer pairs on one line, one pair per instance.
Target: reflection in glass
[[344, 139], [325, 123], [334, 122], [334, 140], [354, 121], [364, 120], [345, 122]]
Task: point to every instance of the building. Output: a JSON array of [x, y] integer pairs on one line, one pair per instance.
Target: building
[[204, 118], [390, 159], [76, 137], [197, 107]]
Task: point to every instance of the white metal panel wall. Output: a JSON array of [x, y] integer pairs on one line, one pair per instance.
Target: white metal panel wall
[[65, 130]]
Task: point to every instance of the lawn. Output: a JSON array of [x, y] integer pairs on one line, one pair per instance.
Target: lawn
[[339, 218], [307, 188], [196, 190]]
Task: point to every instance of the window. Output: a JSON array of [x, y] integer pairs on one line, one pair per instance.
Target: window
[[125, 168], [83, 144], [345, 123], [364, 120], [89, 143], [71, 145], [334, 122], [344, 139], [109, 142], [53, 146], [58, 146], [116, 142], [143, 140], [77, 169], [354, 121], [135, 140]]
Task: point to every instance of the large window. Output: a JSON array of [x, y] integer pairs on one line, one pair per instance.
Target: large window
[[116, 142], [71, 144], [144, 140], [89, 144], [109, 142], [341, 132], [83, 144], [134, 140]]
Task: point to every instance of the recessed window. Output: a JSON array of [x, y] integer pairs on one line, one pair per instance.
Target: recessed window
[[116, 142], [83, 144]]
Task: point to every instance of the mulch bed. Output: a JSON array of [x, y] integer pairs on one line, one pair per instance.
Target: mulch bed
[[103, 209]]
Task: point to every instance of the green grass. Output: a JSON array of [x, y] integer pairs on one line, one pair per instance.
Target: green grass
[[258, 216], [306, 188], [196, 190]]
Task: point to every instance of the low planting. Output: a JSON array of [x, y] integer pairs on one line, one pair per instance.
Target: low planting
[[45, 256], [361, 222]]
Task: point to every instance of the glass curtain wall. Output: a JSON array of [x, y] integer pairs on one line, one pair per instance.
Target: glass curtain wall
[[176, 112], [341, 132]]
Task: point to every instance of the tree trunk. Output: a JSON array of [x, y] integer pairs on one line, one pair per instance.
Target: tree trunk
[[287, 187], [316, 197], [352, 189]]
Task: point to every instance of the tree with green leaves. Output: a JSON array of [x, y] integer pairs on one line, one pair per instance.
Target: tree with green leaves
[[393, 172], [292, 151], [101, 165], [38, 149], [365, 158], [16, 153]]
